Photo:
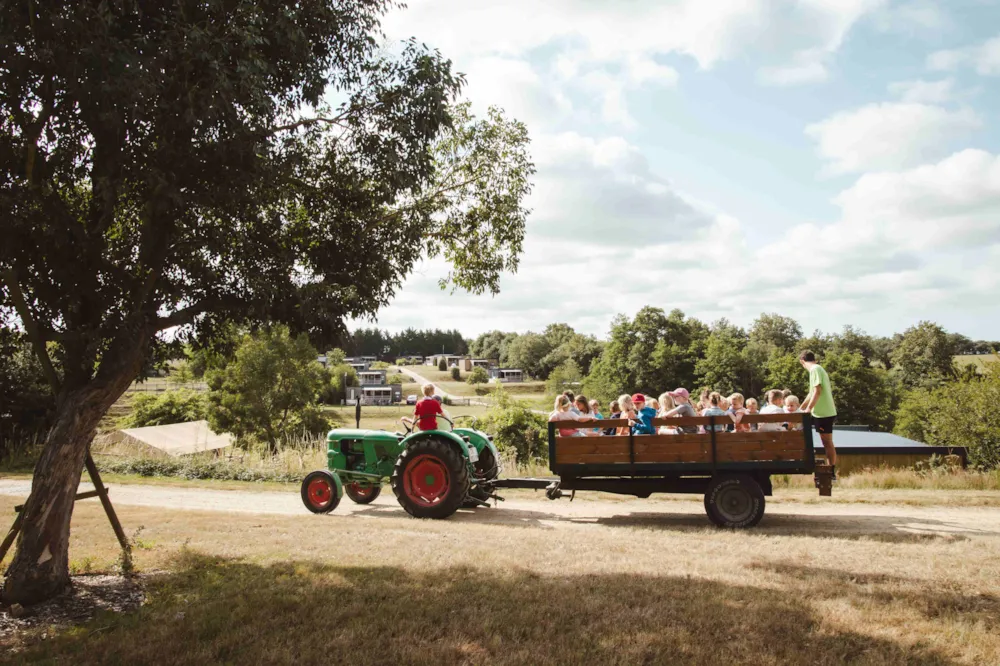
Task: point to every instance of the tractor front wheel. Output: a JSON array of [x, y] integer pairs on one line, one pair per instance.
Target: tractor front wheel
[[319, 492], [360, 494], [430, 479]]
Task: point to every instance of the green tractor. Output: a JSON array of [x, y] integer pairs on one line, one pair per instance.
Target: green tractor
[[433, 473]]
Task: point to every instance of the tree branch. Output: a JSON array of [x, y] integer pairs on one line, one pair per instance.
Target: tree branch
[[311, 121], [10, 277], [183, 316]]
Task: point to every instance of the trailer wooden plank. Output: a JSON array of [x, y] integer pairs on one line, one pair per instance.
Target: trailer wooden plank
[[612, 444]]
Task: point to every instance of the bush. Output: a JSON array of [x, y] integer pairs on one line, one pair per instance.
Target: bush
[[478, 375], [379, 365], [442, 366], [335, 391], [153, 409], [398, 378], [456, 375], [958, 413], [515, 428]]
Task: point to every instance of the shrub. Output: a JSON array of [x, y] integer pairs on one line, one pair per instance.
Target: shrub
[[335, 391], [397, 378], [456, 375], [379, 365], [442, 366], [478, 375], [153, 409], [515, 428]]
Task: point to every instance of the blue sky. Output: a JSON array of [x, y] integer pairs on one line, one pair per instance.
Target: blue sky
[[833, 160]]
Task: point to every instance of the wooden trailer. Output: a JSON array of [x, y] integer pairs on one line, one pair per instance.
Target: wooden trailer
[[732, 469]]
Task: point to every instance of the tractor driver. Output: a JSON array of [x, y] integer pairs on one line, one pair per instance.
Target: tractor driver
[[427, 409]]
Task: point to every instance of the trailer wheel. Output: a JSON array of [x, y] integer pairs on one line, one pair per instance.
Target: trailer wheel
[[430, 479], [362, 494], [734, 500], [319, 492]]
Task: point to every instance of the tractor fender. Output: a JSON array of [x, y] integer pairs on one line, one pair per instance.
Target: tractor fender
[[461, 446]]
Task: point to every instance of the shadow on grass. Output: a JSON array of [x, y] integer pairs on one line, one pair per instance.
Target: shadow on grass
[[214, 610], [889, 529], [929, 599]]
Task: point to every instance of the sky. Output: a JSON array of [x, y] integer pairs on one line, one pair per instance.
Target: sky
[[837, 161]]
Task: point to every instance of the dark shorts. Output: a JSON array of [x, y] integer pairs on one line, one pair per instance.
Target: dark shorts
[[824, 426]]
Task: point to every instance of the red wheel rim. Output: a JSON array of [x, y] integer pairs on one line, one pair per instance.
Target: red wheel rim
[[426, 480], [320, 492], [361, 491]]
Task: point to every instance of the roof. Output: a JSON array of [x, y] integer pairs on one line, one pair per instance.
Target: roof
[[179, 439], [851, 439]]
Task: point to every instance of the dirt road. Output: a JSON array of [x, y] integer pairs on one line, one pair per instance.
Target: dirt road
[[785, 515]]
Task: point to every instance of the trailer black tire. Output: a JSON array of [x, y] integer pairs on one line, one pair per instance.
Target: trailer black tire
[[362, 495], [430, 479], [734, 501], [319, 492]]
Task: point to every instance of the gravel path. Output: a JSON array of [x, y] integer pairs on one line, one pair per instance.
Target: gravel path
[[820, 519]]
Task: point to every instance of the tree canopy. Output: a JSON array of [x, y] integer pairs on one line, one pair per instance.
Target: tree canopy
[[180, 164]]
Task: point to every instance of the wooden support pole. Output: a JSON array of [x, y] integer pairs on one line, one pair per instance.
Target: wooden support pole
[[102, 492], [8, 540]]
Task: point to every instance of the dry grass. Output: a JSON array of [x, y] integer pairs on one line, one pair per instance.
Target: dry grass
[[379, 587], [978, 360], [886, 478]]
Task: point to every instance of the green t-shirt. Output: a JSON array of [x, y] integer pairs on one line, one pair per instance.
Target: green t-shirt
[[824, 406]]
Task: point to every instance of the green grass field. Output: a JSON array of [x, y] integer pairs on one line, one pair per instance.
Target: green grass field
[[978, 360]]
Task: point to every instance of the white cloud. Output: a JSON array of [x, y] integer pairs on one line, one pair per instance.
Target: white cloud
[[517, 87], [984, 58], [920, 16], [924, 92], [806, 67], [889, 136]]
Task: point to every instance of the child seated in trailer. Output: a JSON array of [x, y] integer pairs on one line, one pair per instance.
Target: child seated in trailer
[[615, 413], [753, 409], [667, 404], [644, 416], [714, 409], [737, 411], [562, 412], [683, 409], [791, 407], [629, 411], [775, 402]]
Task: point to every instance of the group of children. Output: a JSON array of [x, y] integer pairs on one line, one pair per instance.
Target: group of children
[[640, 410]]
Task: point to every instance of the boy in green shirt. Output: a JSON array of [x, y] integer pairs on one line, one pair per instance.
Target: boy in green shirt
[[820, 404]]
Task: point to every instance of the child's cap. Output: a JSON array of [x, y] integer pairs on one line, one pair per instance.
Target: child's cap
[[638, 397], [682, 392]]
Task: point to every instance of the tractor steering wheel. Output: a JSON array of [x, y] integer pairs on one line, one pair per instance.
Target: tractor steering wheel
[[408, 423]]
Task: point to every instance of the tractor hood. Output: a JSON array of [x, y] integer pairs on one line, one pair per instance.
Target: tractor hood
[[353, 433]]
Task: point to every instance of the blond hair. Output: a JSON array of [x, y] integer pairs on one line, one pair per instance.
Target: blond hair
[[752, 402], [428, 390], [653, 402], [666, 402], [562, 402], [625, 403], [774, 395], [792, 398], [737, 397]]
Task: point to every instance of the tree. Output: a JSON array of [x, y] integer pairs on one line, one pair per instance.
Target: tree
[[924, 356], [442, 365], [25, 395], [527, 351], [776, 331], [566, 376], [784, 371], [862, 393], [176, 164], [478, 376], [341, 376], [456, 375], [269, 391], [492, 345]]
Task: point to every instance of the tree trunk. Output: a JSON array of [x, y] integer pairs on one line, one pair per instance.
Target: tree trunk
[[40, 568]]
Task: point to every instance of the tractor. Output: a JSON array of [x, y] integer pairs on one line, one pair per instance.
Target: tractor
[[433, 473]]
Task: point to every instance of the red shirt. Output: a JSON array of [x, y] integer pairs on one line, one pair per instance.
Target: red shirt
[[425, 411]]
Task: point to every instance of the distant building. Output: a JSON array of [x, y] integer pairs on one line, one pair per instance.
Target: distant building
[[450, 360], [471, 363], [368, 359], [507, 375], [358, 363], [388, 394], [372, 378]]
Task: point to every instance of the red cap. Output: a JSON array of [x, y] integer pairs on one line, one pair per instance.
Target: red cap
[[638, 397]]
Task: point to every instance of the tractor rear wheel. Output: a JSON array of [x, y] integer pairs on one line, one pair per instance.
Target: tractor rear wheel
[[430, 479], [734, 500], [360, 494], [319, 492]]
